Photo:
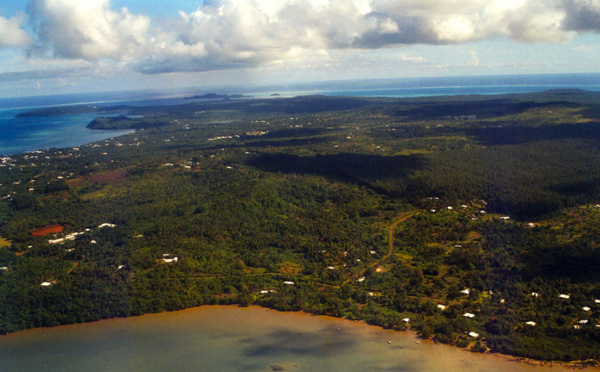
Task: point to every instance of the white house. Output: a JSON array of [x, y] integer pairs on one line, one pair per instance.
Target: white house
[[469, 315]]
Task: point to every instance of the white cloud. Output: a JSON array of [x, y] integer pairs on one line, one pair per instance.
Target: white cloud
[[87, 29], [11, 33], [225, 34]]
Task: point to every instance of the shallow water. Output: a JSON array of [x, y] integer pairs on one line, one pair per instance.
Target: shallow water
[[228, 338]]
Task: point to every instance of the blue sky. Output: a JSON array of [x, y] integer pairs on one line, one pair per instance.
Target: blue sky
[[70, 46]]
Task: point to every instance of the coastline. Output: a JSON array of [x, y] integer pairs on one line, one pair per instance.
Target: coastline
[[410, 340]]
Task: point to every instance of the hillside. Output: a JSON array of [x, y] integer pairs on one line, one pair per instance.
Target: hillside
[[468, 216]]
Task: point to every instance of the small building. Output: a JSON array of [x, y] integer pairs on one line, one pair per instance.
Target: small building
[[288, 283], [46, 284], [406, 320], [360, 280], [441, 307], [121, 267], [530, 323], [169, 260], [564, 296], [106, 224], [469, 315], [535, 294], [585, 308], [466, 291], [584, 321], [474, 334], [505, 218]]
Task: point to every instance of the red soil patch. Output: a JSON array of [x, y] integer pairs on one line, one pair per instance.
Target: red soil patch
[[118, 175], [46, 230], [74, 183]]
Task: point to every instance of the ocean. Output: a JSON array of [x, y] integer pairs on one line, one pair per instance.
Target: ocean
[[19, 135]]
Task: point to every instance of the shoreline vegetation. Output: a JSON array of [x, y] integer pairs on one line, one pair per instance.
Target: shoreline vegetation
[[473, 220]]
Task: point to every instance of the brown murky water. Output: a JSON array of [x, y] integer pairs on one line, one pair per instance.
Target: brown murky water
[[227, 338]]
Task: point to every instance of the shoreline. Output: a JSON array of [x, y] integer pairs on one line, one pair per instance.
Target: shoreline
[[329, 318]]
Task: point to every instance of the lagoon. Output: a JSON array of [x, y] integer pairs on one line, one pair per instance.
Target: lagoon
[[230, 338]]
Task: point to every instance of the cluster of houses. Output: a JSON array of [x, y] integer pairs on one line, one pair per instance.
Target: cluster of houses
[[7, 161], [74, 235], [461, 117]]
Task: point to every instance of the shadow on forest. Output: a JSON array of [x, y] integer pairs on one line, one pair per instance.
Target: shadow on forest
[[575, 188], [490, 134], [363, 169], [579, 263], [485, 109], [515, 135], [249, 144]]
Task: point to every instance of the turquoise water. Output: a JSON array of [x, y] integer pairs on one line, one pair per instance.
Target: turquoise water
[[227, 338], [30, 134]]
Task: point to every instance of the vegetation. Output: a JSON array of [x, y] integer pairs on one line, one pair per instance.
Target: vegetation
[[469, 217]]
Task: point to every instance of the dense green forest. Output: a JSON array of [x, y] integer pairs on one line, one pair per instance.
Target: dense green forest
[[472, 220]]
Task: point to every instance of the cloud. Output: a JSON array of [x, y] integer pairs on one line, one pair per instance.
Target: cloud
[[87, 29], [11, 33], [228, 34]]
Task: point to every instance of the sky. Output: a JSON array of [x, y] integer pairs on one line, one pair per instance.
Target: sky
[[73, 46]]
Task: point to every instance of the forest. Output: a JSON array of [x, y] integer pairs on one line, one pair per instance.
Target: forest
[[472, 220]]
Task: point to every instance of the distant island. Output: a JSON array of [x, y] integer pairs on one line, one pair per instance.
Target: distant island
[[218, 96]]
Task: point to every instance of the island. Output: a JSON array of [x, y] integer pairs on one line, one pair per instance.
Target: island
[[472, 220], [218, 96]]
